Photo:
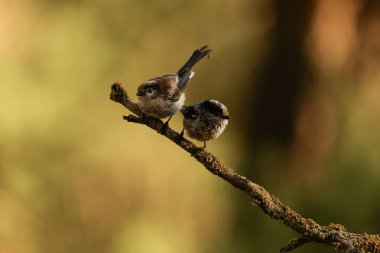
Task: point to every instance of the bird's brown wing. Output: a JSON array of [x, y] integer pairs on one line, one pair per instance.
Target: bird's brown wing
[[182, 85], [167, 85]]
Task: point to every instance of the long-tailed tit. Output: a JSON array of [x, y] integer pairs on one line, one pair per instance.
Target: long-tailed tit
[[163, 96], [205, 120]]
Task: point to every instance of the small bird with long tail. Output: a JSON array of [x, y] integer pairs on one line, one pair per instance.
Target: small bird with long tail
[[163, 96]]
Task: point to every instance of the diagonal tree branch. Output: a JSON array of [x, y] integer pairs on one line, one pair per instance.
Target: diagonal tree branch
[[334, 235]]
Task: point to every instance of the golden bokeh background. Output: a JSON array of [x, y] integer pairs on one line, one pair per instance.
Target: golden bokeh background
[[301, 80]]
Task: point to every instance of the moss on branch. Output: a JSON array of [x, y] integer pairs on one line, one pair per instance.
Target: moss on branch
[[334, 235]]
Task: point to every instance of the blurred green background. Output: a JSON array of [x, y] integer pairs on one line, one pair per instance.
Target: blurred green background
[[301, 80]]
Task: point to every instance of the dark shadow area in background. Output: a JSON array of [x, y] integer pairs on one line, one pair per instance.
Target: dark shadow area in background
[[278, 87], [283, 76]]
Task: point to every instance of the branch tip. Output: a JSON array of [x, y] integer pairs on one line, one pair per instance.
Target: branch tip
[[295, 243]]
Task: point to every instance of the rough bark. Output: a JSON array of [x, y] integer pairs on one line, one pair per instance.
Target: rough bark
[[334, 235]]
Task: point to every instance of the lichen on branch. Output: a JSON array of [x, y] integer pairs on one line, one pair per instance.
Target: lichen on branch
[[334, 235]]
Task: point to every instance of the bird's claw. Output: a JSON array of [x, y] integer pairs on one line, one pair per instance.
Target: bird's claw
[[164, 128], [179, 137]]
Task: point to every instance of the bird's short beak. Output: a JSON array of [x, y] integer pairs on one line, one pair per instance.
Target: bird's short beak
[[226, 117], [140, 93]]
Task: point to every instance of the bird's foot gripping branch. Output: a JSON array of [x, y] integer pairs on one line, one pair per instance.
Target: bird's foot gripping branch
[[334, 235]]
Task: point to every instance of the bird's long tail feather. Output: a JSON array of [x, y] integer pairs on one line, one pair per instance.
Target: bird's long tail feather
[[197, 55]]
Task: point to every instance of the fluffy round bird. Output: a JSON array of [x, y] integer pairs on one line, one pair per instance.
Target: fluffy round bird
[[205, 120], [163, 96]]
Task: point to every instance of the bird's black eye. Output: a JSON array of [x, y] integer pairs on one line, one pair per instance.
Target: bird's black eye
[[149, 90]]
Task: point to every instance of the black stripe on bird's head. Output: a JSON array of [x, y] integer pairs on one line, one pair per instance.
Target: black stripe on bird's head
[[216, 108], [148, 89]]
